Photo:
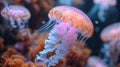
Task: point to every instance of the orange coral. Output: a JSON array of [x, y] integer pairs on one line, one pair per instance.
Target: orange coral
[[26, 36], [78, 57], [38, 46], [62, 63], [118, 65], [14, 61], [8, 54], [1, 43], [29, 64]]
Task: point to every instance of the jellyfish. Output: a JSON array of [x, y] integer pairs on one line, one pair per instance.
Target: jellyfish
[[94, 61], [111, 32], [17, 16], [102, 7], [63, 13], [111, 36], [71, 25]]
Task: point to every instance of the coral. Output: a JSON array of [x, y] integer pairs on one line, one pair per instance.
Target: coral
[[62, 63], [78, 57], [14, 61], [40, 5], [8, 54], [118, 65], [37, 46], [29, 64], [1, 43], [24, 34]]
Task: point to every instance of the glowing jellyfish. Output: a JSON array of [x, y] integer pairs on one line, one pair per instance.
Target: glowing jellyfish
[[111, 35], [102, 6], [17, 15], [72, 26]]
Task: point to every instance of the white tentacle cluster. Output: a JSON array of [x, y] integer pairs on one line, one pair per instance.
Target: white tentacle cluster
[[61, 39]]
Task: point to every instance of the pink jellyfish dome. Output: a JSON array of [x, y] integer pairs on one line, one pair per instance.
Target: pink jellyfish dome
[[71, 14], [16, 12], [111, 32]]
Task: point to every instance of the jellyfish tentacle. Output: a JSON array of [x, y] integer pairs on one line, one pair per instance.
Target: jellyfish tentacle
[[21, 24], [12, 22], [44, 26], [85, 39], [84, 36]]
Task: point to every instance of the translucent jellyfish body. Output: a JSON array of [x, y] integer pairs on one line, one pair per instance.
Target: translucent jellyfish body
[[111, 32], [60, 40], [70, 28], [102, 7], [17, 15], [111, 36]]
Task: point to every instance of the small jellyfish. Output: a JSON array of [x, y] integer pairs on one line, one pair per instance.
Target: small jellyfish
[[111, 36], [111, 32], [102, 7], [94, 61], [17, 15], [72, 26]]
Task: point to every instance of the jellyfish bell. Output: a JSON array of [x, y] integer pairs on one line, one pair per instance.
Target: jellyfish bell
[[70, 14], [108, 2], [111, 32], [94, 61], [17, 15]]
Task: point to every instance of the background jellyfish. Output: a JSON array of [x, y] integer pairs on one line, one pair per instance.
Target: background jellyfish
[[73, 28], [103, 8], [111, 35], [17, 16], [95, 61]]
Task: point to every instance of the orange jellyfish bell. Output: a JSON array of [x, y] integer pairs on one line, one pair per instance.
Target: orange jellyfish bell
[[73, 15], [111, 32]]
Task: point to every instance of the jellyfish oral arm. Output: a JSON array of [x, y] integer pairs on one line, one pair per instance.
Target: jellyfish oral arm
[[21, 24], [61, 39], [12, 22]]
